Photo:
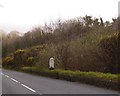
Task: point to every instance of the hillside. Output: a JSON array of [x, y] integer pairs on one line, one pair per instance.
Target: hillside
[[84, 44]]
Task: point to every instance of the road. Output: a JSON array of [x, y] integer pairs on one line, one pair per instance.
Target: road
[[22, 83]]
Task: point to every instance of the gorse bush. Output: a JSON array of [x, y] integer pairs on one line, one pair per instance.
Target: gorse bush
[[19, 51], [19, 57], [8, 61], [30, 61]]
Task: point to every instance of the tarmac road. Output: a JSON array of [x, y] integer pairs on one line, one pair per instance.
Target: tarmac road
[[22, 83]]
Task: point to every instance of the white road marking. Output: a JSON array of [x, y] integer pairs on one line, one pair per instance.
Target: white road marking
[[14, 80], [6, 76], [28, 88], [20, 83]]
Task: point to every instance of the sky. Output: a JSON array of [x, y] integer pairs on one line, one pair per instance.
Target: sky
[[23, 15]]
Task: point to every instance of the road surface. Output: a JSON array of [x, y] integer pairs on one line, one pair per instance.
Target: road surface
[[22, 83]]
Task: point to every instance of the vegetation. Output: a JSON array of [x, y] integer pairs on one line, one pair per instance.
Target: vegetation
[[109, 45], [95, 78], [85, 49]]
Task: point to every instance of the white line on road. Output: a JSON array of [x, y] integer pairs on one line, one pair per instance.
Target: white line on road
[[14, 80], [28, 88], [6, 76], [20, 83]]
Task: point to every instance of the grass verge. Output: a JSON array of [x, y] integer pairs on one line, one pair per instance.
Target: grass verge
[[106, 80]]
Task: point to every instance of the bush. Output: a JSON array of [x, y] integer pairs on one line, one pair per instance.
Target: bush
[[82, 54], [109, 46], [8, 61], [19, 51], [30, 61], [44, 55], [19, 57], [64, 55]]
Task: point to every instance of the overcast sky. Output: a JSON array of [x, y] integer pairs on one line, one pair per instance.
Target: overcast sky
[[22, 15]]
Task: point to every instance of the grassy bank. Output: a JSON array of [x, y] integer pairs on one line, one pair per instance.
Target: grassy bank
[[105, 80]]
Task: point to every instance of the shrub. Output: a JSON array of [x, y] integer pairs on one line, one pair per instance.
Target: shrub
[[30, 61], [19, 51], [8, 61], [18, 54], [44, 55], [63, 54], [83, 54], [110, 48], [19, 57]]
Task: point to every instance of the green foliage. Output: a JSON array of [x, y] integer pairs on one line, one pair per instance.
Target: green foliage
[[110, 48], [59, 31], [82, 54], [18, 54], [44, 55], [106, 76], [95, 78], [30, 61], [83, 49], [19, 51], [77, 44], [19, 57], [8, 59], [63, 54]]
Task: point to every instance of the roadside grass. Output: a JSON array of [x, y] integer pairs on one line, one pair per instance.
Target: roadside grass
[[106, 80]]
